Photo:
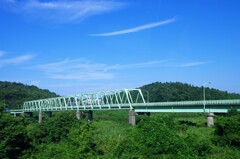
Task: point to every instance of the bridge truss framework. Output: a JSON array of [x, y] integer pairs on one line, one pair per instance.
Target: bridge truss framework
[[131, 99]]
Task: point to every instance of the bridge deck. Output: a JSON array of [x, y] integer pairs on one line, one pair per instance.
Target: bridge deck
[[124, 99], [217, 106]]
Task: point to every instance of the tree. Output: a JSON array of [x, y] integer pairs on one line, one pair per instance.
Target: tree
[[13, 138], [16, 93], [176, 91]]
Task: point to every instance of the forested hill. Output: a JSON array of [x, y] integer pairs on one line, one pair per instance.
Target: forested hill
[[160, 92], [15, 94]]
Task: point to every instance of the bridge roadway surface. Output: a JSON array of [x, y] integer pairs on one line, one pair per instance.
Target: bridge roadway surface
[[131, 99]]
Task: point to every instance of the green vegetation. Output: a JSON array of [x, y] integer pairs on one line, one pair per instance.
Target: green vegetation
[[161, 92], [13, 135], [14, 94], [160, 135], [227, 130]]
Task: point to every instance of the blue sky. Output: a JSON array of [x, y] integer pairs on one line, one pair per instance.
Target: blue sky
[[81, 46]]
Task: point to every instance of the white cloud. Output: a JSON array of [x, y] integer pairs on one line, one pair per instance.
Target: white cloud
[[15, 60], [85, 71], [137, 29], [84, 76], [191, 64], [135, 65], [75, 69], [82, 69], [2, 53], [64, 11]]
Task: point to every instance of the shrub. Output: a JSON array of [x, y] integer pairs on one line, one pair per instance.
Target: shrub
[[52, 129], [227, 130], [151, 137]]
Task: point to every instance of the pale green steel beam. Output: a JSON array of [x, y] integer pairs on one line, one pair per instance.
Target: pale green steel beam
[[156, 107], [186, 103], [123, 99], [215, 106]]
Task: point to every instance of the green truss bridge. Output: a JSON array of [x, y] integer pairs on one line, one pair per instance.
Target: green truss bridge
[[131, 99]]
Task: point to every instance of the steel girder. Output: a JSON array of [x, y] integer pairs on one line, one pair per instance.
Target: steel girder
[[124, 99], [120, 99], [214, 106]]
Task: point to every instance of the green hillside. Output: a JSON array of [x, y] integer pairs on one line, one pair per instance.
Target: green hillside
[[14, 94], [162, 92]]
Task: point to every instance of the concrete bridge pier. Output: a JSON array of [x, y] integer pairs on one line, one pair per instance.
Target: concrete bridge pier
[[49, 114], [30, 114], [90, 115], [78, 115], [40, 116], [210, 121], [132, 117]]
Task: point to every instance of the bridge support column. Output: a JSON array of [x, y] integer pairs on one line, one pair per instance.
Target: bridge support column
[[90, 115], [132, 117], [49, 114], [210, 121], [31, 114], [78, 115], [40, 115]]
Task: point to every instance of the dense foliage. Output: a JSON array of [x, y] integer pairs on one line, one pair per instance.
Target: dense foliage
[[227, 130], [110, 136], [14, 94], [62, 136], [13, 135], [161, 135], [152, 137], [176, 91]]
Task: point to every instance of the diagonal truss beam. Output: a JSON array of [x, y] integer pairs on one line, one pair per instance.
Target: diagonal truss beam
[[120, 99]]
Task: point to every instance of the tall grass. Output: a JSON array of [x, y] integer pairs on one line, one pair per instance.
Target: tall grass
[[111, 128]]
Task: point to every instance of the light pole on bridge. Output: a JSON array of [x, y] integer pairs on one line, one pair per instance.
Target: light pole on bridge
[[204, 101]]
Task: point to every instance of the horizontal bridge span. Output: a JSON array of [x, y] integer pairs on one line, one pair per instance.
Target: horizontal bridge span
[[189, 103], [215, 106], [124, 99]]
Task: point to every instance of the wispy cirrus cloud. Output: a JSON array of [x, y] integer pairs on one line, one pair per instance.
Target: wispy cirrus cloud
[[137, 29], [2, 53], [75, 69], [191, 64], [134, 65], [63, 11], [14, 60], [17, 60], [82, 69]]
